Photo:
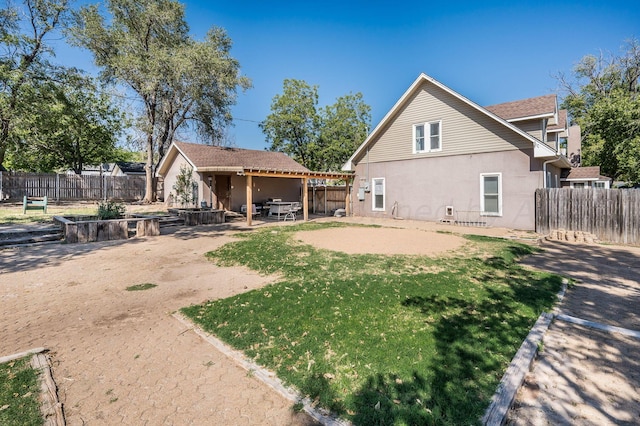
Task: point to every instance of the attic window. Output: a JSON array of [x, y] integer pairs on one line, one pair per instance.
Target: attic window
[[427, 137]]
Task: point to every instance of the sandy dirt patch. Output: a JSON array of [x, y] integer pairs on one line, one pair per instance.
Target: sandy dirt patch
[[388, 241], [585, 376], [118, 356]]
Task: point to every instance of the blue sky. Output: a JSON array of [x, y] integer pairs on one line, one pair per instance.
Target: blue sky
[[490, 52]]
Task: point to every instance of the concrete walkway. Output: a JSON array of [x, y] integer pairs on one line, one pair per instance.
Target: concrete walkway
[[585, 375]]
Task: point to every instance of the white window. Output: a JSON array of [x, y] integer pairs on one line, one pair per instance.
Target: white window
[[427, 137], [378, 194], [599, 185], [491, 194]]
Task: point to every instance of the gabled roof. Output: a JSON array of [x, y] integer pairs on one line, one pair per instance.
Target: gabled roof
[[129, 167], [562, 122], [206, 158], [526, 109], [541, 150], [584, 173]]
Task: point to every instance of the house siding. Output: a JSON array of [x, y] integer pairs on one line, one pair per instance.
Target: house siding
[[533, 127], [465, 130], [423, 187]]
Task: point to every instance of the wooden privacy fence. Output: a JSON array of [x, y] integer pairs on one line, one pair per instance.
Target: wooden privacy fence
[[612, 215], [62, 187], [326, 199]]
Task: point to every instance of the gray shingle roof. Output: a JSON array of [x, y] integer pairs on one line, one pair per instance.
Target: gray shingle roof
[[525, 108], [203, 156]]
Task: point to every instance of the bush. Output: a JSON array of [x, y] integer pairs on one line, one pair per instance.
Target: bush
[[110, 210]]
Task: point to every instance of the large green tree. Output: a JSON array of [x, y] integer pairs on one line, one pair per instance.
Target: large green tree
[[603, 97], [292, 127], [24, 60], [344, 125], [145, 45], [68, 124], [321, 139]]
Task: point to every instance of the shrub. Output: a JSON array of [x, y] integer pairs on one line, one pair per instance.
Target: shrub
[[110, 210]]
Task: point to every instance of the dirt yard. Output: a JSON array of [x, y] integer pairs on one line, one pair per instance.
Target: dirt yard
[[381, 240], [119, 357]]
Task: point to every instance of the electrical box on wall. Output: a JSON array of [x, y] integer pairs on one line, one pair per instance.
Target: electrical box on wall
[[365, 186], [361, 194]]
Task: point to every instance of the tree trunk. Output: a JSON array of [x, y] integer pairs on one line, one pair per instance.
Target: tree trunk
[[150, 193]]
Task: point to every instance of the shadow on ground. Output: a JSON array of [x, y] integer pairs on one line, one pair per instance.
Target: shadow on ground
[[607, 281], [587, 376], [38, 255]]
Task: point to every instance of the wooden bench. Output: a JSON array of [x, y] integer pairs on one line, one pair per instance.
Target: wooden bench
[[31, 203]]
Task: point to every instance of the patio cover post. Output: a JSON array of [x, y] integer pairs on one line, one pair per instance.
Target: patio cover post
[[249, 179], [347, 199], [305, 199]]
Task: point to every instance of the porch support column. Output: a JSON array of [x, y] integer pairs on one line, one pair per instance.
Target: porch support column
[[305, 199], [249, 179], [347, 199]]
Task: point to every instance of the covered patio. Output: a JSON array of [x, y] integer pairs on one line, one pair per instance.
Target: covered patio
[[304, 176]]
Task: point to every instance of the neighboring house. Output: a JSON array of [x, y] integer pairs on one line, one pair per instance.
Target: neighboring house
[[437, 155], [574, 145], [95, 170], [221, 174], [584, 177], [127, 168]]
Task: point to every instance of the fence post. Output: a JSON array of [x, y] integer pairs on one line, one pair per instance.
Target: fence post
[[57, 187], [1, 193]]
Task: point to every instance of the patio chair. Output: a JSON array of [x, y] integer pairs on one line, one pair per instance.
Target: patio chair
[[293, 210], [254, 210]]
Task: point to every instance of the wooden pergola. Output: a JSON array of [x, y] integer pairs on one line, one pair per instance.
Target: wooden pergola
[[249, 173]]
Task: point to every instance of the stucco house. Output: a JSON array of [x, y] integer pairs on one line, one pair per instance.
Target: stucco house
[[219, 173], [437, 155]]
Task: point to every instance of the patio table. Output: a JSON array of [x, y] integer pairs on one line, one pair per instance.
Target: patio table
[[279, 208]]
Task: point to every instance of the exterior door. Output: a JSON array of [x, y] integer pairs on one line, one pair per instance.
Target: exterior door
[[223, 191]]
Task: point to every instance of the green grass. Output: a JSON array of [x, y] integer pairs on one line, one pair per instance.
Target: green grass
[[140, 287], [19, 394], [12, 214], [378, 339]]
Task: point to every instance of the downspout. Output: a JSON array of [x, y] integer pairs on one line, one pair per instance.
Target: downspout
[[367, 164]]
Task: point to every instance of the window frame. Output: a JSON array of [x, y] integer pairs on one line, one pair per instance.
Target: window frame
[[483, 211], [373, 194], [427, 137]]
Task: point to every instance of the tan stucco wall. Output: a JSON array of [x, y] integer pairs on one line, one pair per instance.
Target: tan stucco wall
[[287, 189], [171, 176], [424, 187], [574, 141]]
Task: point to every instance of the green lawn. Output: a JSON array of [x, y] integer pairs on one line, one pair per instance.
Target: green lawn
[[12, 214], [19, 394], [382, 339]]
